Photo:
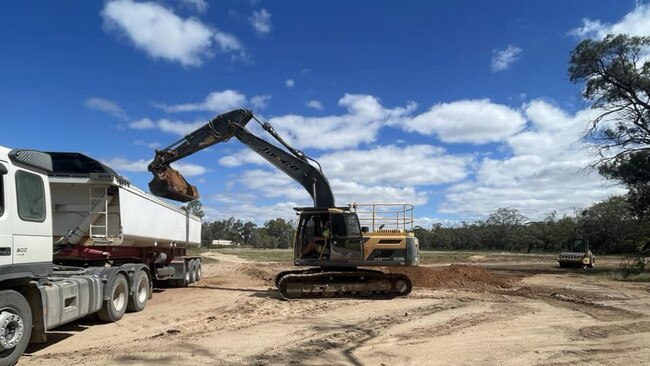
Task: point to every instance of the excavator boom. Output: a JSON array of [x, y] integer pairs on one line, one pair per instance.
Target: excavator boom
[[169, 183]]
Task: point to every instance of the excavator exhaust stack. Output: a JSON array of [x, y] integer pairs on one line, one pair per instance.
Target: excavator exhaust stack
[[169, 183]]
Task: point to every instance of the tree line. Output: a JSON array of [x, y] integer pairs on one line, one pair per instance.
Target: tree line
[[609, 227], [275, 233]]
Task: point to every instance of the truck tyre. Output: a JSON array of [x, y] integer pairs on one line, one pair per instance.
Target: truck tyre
[[140, 295], [15, 326], [115, 307], [191, 268], [187, 275], [199, 270]]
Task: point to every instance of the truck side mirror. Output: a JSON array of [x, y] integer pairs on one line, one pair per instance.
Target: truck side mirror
[[3, 169], [365, 229]]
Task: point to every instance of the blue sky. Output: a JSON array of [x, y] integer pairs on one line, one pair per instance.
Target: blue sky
[[458, 107]]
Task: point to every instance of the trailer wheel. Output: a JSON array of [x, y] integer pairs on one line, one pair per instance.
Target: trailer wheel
[[187, 275], [115, 307], [140, 295], [191, 267], [199, 271], [15, 326]]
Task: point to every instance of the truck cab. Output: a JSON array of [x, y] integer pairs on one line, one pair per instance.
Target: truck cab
[[25, 216]]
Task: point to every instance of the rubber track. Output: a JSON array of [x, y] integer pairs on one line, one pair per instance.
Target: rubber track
[[331, 284]]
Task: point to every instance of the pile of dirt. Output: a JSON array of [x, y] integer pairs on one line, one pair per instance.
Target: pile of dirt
[[264, 273], [455, 276]]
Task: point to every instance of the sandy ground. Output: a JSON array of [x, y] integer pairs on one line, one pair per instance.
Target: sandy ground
[[458, 315]]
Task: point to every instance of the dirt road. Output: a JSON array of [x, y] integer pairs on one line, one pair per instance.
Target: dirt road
[[459, 315]]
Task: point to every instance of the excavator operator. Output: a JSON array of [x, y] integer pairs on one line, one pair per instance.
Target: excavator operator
[[318, 244]]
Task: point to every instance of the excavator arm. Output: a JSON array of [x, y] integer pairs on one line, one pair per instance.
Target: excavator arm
[[170, 184]]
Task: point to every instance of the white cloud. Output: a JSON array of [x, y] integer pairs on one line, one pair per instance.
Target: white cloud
[[189, 170], [250, 212], [140, 166], [273, 184], [199, 5], [279, 186], [219, 102], [259, 102], [290, 83], [545, 172], [242, 157], [347, 191], [106, 106], [228, 43], [392, 165], [142, 124], [179, 127], [634, 23], [125, 165], [162, 34], [364, 118], [502, 59], [261, 21], [315, 104], [473, 121], [151, 145]]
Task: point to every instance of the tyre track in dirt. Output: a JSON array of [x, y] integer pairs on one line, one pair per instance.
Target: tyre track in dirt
[[463, 315]]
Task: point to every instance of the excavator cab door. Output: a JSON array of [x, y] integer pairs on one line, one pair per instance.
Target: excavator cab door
[[346, 241]]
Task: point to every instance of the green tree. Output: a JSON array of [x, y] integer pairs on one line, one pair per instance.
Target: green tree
[[280, 231], [195, 208], [504, 229], [610, 227], [618, 85], [633, 170]]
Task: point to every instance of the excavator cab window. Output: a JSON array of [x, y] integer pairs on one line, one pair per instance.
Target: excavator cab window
[[343, 241], [346, 240]]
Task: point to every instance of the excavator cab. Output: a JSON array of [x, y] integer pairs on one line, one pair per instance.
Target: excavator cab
[[327, 235]]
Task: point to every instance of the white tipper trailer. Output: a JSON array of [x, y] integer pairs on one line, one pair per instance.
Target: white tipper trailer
[[77, 239]]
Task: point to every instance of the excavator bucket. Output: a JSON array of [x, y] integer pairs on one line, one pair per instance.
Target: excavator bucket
[[170, 184]]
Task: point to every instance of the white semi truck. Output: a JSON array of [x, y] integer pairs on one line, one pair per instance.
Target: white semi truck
[[78, 239]]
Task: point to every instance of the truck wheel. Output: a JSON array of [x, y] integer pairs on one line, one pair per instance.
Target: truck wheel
[[15, 326], [115, 306], [140, 295], [199, 271], [191, 268], [187, 275]]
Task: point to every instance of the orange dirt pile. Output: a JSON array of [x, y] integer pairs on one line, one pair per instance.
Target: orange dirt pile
[[455, 276]]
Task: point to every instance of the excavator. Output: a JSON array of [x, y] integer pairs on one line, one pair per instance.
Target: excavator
[[329, 239]]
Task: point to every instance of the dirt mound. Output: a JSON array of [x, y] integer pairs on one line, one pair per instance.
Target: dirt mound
[[455, 276], [264, 273]]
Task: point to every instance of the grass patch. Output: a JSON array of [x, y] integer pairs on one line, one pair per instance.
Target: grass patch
[[260, 255], [637, 277], [434, 256]]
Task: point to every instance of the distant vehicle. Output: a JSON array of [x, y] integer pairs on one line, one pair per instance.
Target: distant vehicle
[[577, 255], [77, 239]]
